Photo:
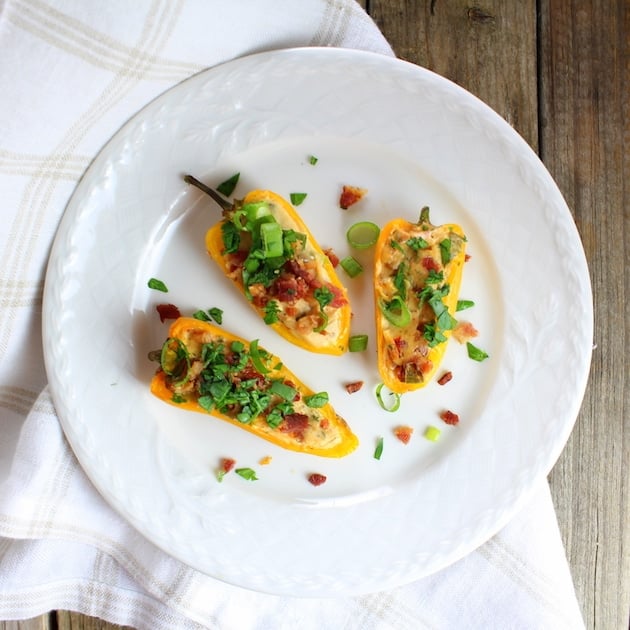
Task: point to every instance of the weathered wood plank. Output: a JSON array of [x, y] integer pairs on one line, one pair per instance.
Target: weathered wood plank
[[490, 51], [37, 623], [585, 143], [74, 621]]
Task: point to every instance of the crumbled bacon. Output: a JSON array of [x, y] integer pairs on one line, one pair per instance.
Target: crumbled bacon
[[430, 264], [316, 479], [403, 434], [467, 257], [338, 299], [295, 424], [351, 388], [351, 195], [445, 378], [227, 464], [334, 259], [449, 417], [464, 331], [167, 311]]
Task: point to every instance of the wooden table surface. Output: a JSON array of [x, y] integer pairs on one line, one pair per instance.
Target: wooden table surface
[[556, 70]]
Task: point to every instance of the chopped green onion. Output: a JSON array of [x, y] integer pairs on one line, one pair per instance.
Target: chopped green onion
[[216, 314], [201, 316], [227, 187], [246, 473], [178, 399], [175, 360], [284, 391], [445, 250], [462, 305], [432, 433], [271, 312], [363, 234], [396, 312], [271, 235], [312, 160], [297, 198], [476, 354], [357, 343], [351, 266], [254, 353], [378, 451], [158, 285], [316, 400], [396, 404]]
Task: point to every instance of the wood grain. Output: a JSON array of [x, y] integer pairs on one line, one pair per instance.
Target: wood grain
[[585, 143], [557, 70]]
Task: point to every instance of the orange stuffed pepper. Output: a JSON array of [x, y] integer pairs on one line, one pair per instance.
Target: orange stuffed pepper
[[206, 369], [265, 248], [417, 277]]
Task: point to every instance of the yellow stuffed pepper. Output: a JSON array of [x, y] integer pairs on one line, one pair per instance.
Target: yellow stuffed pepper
[[265, 248], [417, 277], [206, 369]]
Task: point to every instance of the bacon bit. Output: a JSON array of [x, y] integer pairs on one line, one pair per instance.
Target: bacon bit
[[445, 378], [464, 331], [295, 424], [467, 257], [449, 417], [401, 345], [430, 264], [316, 479], [351, 195], [264, 461], [227, 464], [351, 388], [403, 434], [324, 423], [334, 259], [339, 298], [167, 311]]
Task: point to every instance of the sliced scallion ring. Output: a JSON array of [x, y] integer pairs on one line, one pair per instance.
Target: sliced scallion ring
[[357, 343], [396, 311], [363, 234], [257, 361], [175, 360], [393, 407], [271, 235]]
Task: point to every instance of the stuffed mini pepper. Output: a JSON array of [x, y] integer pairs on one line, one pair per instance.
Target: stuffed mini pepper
[[417, 277]]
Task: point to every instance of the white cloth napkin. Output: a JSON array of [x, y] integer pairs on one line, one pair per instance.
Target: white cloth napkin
[[71, 72]]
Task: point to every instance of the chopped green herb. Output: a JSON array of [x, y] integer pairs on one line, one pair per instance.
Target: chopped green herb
[[231, 237], [201, 316], [246, 473], [257, 355], [378, 451], [435, 277], [445, 250], [400, 280], [396, 245], [312, 160], [476, 354], [178, 399], [297, 198], [394, 406], [351, 266], [357, 343], [324, 296], [271, 312], [158, 285], [227, 187], [216, 314], [462, 305], [316, 400], [432, 433], [416, 243]]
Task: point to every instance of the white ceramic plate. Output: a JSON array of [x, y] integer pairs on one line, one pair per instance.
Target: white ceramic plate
[[412, 139]]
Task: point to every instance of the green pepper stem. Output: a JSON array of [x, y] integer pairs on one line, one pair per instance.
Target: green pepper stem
[[224, 203], [424, 215]]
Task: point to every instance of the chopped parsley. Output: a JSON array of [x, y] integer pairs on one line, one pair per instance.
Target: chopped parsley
[[476, 354], [316, 400], [158, 285], [445, 250], [462, 305], [246, 473], [416, 243], [227, 187], [297, 198], [271, 312]]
